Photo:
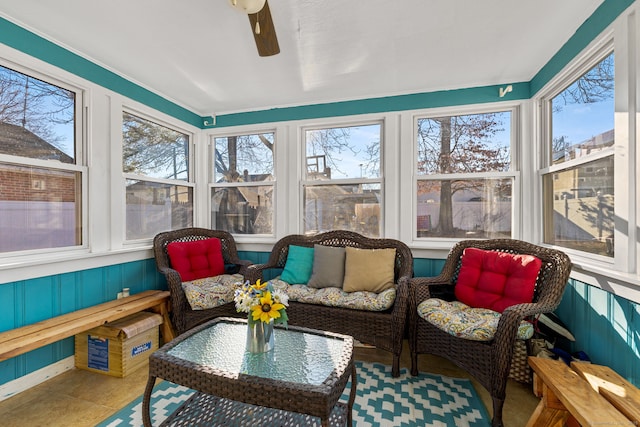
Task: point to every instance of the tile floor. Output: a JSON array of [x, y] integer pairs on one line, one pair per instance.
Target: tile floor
[[81, 398]]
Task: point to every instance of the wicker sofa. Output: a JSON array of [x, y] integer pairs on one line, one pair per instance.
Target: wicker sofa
[[384, 329]]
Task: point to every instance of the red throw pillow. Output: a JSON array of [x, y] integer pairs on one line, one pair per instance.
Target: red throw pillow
[[496, 280], [197, 259]]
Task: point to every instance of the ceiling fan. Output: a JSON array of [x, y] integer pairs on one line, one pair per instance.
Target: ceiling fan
[[264, 31]]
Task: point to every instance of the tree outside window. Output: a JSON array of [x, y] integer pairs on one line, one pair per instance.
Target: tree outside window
[[243, 184], [342, 185], [465, 182]]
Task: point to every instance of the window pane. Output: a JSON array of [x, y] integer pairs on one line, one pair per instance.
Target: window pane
[[153, 150], [473, 208], [579, 207], [348, 152], [39, 208], [244, 158], [37, 119], [243, 210], [154, 207], [345, 207], [464, 144], [583, 114]]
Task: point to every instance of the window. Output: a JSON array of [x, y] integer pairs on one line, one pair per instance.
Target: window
[[155, 162], [578, 188], [342, 186], [41, 191], [243, 183], [464, 177]]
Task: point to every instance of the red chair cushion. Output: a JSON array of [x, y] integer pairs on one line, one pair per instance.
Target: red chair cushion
[[496, 280], [197, 259]]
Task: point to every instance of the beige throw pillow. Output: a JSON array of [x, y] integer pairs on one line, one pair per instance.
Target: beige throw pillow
[[368, 269]]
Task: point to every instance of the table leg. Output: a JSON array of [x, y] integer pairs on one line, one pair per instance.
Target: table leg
[[544, 416], [146, 401], [352, 395]]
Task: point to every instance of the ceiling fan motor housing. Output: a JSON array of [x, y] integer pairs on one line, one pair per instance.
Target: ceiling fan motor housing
[[248, 6]]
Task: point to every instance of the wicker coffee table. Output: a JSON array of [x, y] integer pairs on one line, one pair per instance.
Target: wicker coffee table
[[297, 383]]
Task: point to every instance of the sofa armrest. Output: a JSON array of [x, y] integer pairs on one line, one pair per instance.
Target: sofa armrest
[[257, 271]]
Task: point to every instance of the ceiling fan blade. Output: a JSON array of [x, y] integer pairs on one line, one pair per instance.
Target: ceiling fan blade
[[265, 32]]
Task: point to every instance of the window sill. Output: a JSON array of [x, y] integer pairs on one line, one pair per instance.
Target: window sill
[[625, 285], [42, 265]]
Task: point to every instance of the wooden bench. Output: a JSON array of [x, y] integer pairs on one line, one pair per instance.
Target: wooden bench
[[26, 338], [586, 394]]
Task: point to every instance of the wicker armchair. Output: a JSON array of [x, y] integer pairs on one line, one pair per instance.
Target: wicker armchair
[[488, 361], [384, 329], [182, 316]]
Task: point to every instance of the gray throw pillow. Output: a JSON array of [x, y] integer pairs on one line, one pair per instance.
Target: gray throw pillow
[[328, 267]]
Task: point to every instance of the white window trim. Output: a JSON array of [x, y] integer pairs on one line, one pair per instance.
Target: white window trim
[[28, 66], [573, 163], [596, 52], [619, 276], [119, 178]]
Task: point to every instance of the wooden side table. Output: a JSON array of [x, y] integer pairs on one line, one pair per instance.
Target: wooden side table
[[577, 393]]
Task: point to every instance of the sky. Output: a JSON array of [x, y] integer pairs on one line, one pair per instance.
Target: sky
[[354, 165], [580, 122]]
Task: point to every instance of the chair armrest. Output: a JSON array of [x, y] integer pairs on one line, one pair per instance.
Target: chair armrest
[[244, 264], [422, 288], [172, 276], [511, 317], [402, 295], [177, 297], [400, 308], [239, 266]]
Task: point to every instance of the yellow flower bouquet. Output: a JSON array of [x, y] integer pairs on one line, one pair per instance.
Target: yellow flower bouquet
[[262, 303]]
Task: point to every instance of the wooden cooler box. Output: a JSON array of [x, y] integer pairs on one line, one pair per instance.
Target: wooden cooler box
[[120, 347]]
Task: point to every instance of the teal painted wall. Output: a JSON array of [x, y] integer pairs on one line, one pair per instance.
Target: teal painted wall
[[606, 327], [29, 301], [445, 98], [25, 41], [604, 15]]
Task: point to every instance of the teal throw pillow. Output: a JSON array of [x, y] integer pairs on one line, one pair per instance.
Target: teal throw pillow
[[297, 269]]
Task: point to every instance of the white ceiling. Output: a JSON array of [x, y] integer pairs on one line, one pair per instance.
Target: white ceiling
[[201, 53]]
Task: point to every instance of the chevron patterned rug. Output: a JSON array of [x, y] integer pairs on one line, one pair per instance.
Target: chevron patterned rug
[[406, 401]]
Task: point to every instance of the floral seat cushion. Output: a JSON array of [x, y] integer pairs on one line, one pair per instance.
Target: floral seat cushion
[[336, 297], [211, 292], [462, 321]]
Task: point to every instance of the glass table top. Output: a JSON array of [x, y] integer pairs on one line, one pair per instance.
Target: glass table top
[[299, 357]]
